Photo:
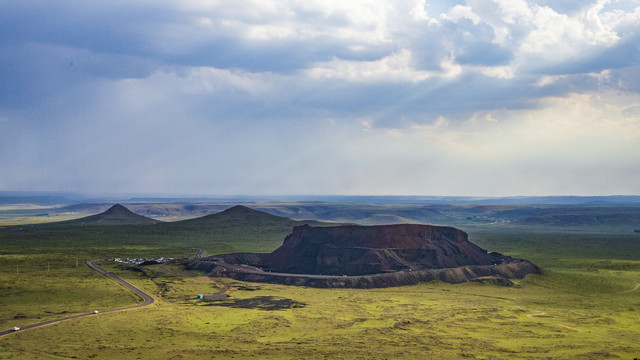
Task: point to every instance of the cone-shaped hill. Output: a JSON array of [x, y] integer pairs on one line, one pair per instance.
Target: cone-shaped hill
[[238, 215], [115, 215], [240, 218], [238, 229]]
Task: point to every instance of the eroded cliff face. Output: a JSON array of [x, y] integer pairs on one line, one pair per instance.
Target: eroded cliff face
[[361, 250], [496, 274]]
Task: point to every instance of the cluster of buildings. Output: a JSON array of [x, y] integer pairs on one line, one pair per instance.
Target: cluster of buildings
[[160, 260]]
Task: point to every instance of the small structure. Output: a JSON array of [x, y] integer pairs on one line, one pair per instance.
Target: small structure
[[217, 296]]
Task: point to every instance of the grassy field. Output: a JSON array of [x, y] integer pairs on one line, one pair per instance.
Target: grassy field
[[585, 304]]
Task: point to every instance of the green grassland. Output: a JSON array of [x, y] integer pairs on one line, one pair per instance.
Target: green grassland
[[39, 287], [584, 305]]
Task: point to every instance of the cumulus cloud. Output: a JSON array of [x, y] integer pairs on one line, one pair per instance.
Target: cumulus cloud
[[209, 92]]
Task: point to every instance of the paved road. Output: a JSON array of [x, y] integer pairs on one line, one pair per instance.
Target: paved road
[[247, 269], [148, 300]]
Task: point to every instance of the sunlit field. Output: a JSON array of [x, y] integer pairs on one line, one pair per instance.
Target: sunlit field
[[584, 305]]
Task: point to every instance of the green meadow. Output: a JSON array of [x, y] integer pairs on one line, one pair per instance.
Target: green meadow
[[584, 305]]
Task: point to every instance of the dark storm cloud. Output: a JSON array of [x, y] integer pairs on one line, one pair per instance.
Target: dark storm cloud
[[50, 46]]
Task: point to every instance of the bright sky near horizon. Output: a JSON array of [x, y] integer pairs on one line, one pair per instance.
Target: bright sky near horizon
[[405, 97]]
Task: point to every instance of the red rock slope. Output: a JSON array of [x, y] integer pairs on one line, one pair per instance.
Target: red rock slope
[[361, 250]]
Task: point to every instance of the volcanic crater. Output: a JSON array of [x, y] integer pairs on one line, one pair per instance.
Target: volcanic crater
[[370, 256]]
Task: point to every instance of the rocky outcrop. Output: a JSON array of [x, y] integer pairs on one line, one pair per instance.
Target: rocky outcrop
[[360, 250], [370, 257], [495, 274], [209, 263]]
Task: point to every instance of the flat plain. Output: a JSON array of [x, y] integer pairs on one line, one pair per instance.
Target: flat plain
[[584, 305]]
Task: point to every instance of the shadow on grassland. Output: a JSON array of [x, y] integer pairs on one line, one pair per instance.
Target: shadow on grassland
[[261, 303]]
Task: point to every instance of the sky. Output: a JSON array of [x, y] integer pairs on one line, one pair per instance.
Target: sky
[[403, 97]]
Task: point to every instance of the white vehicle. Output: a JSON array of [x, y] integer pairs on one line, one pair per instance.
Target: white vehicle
[[16, 328], [95, 311]]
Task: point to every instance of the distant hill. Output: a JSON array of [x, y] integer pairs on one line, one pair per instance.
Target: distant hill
[[238, 215], [238, 228], [115, 215]]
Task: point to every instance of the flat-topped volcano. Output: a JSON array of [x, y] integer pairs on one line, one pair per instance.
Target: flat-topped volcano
[[362, 250], [353, 256]]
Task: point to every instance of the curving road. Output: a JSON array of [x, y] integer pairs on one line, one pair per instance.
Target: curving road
[[147, 300]]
